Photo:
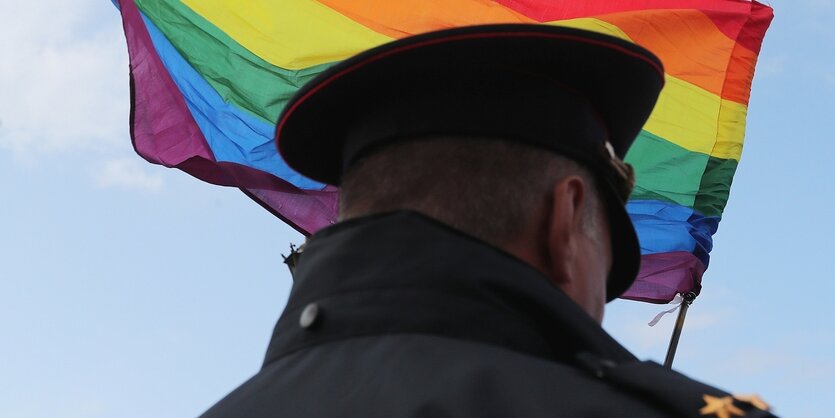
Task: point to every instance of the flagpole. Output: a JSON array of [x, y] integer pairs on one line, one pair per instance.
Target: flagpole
[[688, 297]]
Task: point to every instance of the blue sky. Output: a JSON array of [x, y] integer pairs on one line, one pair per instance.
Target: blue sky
[[131, 290]]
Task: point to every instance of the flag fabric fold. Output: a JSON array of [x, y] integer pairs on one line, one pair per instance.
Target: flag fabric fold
[[210, 77]]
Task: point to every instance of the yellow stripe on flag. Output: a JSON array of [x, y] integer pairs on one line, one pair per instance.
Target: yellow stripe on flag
[[698, 120], [731, 130], [686, 115], [594, 25], [291, 34]]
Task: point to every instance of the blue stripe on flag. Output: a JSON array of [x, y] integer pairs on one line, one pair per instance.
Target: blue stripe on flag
[[667, 227], [233, 135]]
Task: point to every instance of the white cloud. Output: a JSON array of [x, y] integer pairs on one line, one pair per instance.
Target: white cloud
[[749, 363], [637, 335], [63, 77], [771, 65], [753, 361], [820, 5], [627, 322], [128, 173], [829, 77]]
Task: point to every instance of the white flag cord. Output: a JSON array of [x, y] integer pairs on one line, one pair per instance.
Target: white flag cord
[[678, 301]]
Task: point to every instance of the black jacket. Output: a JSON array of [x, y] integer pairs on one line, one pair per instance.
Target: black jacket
[[400, 316]]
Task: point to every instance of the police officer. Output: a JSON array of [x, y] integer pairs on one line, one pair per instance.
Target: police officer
[[482, 231]]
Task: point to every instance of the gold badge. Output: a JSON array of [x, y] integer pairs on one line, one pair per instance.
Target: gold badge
[[722, 407], [624, 171], [755, 400]]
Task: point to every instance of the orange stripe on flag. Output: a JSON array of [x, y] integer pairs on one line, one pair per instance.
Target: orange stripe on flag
[[399, 19], [691, 47], [688, 42]]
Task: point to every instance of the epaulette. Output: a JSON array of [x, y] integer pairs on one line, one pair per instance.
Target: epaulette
[[673, 392]]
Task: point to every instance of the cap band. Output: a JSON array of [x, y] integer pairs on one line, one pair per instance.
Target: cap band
[[521, 108]]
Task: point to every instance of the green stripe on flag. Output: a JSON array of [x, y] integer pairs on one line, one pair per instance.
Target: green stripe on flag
[[715, 186], [667, 172], [238, 75]]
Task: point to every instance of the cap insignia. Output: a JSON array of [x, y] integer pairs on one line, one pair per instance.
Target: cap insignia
[[623, 170], [720, 407]]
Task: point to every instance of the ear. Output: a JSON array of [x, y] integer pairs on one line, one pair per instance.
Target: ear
[[565, 223]]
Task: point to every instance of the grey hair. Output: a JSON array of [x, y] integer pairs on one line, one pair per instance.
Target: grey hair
[[487, 188]]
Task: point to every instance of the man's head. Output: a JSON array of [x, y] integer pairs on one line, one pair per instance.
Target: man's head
[[537, 205], [450, 116]]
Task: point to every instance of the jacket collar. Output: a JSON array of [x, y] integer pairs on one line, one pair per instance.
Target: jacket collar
[[403, 272]]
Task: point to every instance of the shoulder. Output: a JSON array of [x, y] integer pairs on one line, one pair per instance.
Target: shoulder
[[673, 391], [523, 385], [405, 375], [487, 380]]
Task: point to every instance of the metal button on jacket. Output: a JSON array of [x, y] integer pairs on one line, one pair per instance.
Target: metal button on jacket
[[309, 315]]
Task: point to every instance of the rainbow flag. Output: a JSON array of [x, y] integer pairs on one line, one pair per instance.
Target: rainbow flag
[[210, 77]]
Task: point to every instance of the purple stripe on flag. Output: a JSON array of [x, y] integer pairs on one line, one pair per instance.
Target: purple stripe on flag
[[663, 275], [306, 212], [164, 132], [162, 128]]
